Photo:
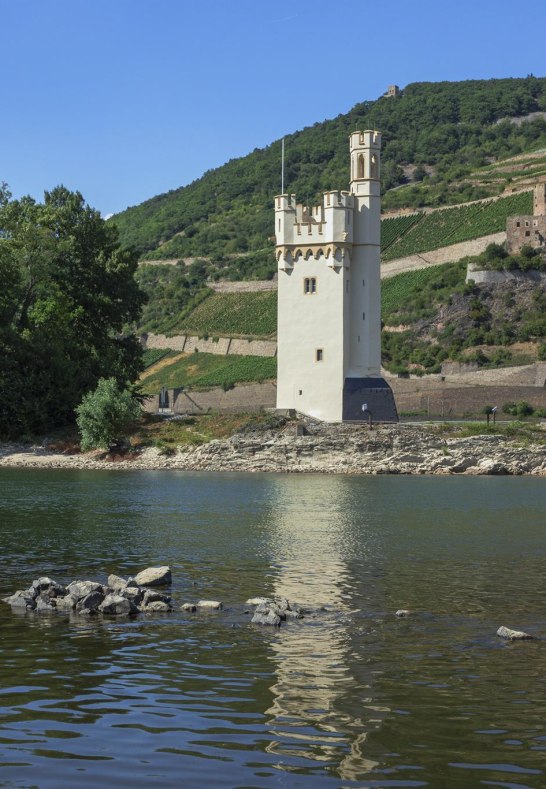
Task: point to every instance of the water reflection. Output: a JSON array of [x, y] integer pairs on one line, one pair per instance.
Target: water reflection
[[311, 534]]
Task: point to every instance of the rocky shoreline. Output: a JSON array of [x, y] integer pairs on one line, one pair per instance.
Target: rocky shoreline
[[331, 449]]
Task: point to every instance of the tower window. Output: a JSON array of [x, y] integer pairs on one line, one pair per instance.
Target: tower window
[[318, 355], [346, 286], [363, 316], [360, 166], [363, 283], [309, 285]]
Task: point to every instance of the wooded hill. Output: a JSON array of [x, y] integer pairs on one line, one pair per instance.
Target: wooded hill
[[435, 135]]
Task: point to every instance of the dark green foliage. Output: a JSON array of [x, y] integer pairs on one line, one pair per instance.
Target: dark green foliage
[[443, 317], [414, 295], [521, 409], [496, 258], [451, 126], [153, 355], [106, 415], [172, 293], [67, 291]]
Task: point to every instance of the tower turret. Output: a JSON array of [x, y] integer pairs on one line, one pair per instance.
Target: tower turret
[[365, 157]]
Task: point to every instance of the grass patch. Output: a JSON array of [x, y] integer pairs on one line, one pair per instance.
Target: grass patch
[[206, 370], [168, 434], [524, 433]]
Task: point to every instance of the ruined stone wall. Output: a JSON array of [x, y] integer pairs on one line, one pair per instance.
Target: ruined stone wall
[[525, 231]]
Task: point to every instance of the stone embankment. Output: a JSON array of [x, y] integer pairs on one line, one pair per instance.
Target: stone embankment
[[332, 449]]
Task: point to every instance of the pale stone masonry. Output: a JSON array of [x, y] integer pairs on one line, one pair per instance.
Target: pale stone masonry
[[329, 323]]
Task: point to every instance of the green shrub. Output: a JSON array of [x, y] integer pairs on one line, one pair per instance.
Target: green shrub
[[105, 415]]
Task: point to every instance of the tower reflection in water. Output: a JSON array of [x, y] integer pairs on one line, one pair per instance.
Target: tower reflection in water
[[313, 545]]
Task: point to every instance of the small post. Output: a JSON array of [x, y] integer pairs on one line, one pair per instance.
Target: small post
[[366, 411]]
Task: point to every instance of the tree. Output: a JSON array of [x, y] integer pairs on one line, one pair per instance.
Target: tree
[[105, 415], [68, 289]]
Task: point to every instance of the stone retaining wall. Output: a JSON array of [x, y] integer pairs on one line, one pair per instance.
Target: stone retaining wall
[[244, 287], [438, 256], [451, 401], [241, 399], [221, 346]]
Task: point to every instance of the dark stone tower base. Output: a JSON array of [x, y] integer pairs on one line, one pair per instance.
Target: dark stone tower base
[[375, 394]]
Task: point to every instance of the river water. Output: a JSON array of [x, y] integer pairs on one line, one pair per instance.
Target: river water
[[348, 696]]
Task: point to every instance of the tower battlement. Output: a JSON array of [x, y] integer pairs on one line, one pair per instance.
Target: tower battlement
[[328, 222], [365, 139]]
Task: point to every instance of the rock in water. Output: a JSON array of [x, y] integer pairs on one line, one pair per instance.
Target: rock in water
[[156, 606], [79, 589], [258, 600], [513, 635], [213, 605], [188, 607], [154, 576], [21, 599], [116, 605], [115, 582], [402, 612], [268, 616]]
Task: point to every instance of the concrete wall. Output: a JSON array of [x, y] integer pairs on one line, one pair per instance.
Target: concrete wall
[[241, 399], [483, 277]]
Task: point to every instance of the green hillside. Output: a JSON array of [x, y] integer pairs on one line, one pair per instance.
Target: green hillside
[[205, 370], [452, 225], [445, 130]]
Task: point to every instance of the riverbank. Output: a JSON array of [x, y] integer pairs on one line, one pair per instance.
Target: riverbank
[[332, 449]]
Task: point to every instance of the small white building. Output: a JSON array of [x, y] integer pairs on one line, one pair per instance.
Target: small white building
[[329, 289]]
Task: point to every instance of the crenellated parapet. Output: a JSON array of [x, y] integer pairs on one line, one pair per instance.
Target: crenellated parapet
[[325, 226]]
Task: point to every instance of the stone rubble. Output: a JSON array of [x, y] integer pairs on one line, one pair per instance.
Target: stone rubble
[[331, 449], [118, 597]]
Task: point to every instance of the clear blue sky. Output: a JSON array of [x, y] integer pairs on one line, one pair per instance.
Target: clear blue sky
[[125, 99]]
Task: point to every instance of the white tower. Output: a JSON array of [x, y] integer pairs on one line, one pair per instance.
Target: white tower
[[329, 326]]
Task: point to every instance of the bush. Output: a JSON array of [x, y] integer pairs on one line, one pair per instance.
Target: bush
[[521, 409], [105, 415]]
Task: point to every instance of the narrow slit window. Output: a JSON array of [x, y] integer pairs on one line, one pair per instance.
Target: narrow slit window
[[319, 355], [363, 316], [309, 285], [346, 286]]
